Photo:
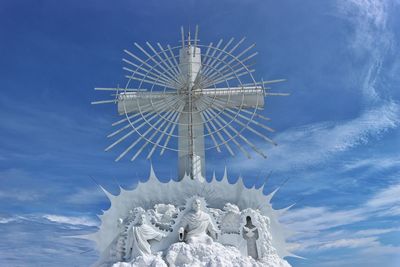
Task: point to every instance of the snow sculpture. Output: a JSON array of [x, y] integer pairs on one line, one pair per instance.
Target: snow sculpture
[[196, 225], [169, 223], [139, 237], [213, 201], [250, 234], [230, 223]]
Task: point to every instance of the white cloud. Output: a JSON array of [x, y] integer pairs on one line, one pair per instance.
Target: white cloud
[[313, 144], [374, 232], [319, 227], [7, 220], [26, 195], [71, 220], [386, 198], [351, 243], [381, 162]]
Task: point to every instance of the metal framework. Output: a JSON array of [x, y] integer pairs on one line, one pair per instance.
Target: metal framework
[[186, 93]]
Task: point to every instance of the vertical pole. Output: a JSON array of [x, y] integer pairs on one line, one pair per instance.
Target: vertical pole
[[190, 107]]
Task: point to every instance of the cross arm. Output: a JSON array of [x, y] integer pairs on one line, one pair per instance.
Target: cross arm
[[129, 102], [235, 97]]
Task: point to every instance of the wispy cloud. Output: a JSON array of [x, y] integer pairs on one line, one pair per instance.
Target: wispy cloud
[[351, 243], [322, 227], [386, 198], [313, 144], [71, 220]]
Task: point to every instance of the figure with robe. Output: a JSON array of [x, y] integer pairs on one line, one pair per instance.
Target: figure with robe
[[139, 236], [250, 234], [197, 225]]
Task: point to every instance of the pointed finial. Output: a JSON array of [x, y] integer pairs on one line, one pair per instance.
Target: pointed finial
[[189, 38], [183, 37], [195, 40]]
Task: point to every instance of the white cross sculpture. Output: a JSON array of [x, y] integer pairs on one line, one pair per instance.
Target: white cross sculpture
[[191, 100]]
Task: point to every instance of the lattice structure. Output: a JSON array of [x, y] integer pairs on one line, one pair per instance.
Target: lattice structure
[[177, 96]]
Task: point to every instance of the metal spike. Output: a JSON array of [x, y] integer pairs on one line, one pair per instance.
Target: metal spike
[[103, 102]]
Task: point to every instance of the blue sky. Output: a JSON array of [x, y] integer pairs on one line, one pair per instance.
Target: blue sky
[[338, 132]]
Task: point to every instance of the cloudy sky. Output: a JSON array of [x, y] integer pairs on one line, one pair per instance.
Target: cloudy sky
[[338, 132]]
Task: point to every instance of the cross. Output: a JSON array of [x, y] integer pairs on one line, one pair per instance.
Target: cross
[[190, 100]]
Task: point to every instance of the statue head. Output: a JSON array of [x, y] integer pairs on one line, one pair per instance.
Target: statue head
[[140, 218], [196, 204]]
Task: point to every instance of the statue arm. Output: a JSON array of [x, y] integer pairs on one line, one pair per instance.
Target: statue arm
[[212, 230]]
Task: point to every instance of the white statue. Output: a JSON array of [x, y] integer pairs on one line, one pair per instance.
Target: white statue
[[197, 226], [139, 236], [250, 234]]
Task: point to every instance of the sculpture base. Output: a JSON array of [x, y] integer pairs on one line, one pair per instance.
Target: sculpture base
[[152, 219], [182, 254]]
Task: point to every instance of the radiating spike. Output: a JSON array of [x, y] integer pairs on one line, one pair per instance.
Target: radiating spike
[[155, 61], [176, 114], [229, 53], [120, 140], [145, 63], [217, 131], [171, 131], [273, 81], [120, 89], [225, 79], [246, 50], [147, 108], [170, 83], [148, 71], [176, 63], [104, 102], [149, 82], [130, 133], [152, 135], [205, 56], [209, 131], [244, 125], [141, 136], [171, 65], [130, 124], [221, 104], [223, 51], [249, 57], [226, 73], [223, 128], [165, 66], [277, 94], [216, 119], [238, 133], [208, 60], [234, 58]]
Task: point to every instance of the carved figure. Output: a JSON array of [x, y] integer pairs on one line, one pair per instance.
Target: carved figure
[[197, 225], [250, 234], [139, 237]]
